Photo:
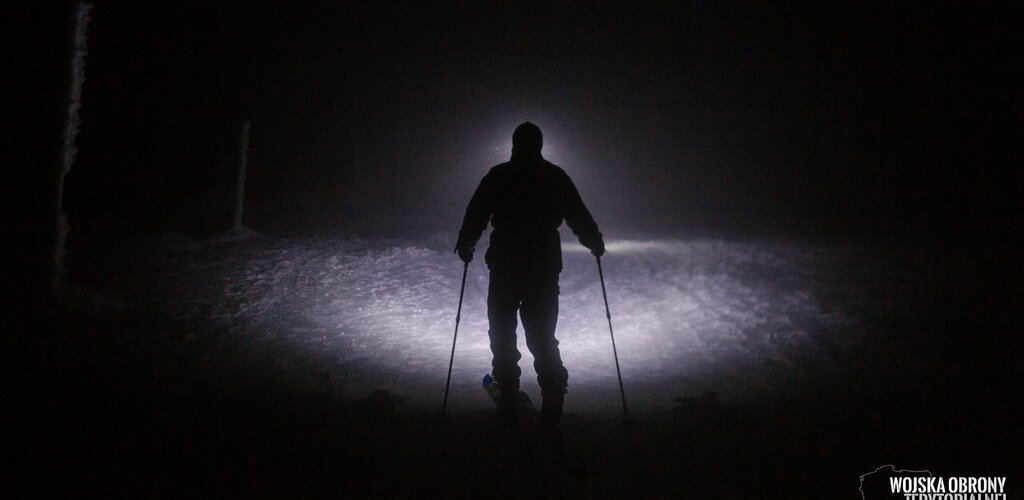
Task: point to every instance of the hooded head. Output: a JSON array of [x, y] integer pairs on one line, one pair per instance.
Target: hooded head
[[527, 142]]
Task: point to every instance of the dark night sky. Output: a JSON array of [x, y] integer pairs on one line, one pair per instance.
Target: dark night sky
[[802, 118]]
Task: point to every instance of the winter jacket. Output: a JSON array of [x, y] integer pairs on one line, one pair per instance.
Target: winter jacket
[[526, 200]]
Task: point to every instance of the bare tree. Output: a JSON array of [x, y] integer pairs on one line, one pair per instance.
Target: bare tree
[[68, 149]]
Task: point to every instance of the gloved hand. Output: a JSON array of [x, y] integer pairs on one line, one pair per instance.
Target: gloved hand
[[465, 253], [595, 243]]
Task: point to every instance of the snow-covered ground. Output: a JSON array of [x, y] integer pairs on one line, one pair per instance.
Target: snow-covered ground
[[742, 319], [274, 365]]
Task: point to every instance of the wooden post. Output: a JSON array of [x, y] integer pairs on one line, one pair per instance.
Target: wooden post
[[66, 158], [243, 153]]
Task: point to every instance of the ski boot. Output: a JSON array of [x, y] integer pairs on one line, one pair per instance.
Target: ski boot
[[550, 426]]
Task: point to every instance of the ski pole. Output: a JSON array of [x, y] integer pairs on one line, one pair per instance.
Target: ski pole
[[615, 352], [451, 360]]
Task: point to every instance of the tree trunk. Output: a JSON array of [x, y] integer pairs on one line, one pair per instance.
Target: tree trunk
[[66, 158], [243, 152]]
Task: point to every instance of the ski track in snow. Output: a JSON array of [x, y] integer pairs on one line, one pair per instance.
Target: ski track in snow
[[690, 316]]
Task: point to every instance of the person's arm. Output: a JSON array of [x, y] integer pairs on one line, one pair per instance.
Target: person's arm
[[478, 214], [579, 219]]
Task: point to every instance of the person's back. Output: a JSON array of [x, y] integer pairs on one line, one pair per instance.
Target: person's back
[[526, 200]]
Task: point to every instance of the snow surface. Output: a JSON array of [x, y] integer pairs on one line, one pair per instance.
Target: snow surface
[[742, 319]]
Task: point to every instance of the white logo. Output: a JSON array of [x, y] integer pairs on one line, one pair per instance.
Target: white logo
[[889, 482]]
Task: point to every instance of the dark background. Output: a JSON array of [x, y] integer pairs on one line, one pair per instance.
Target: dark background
[[862, 121]]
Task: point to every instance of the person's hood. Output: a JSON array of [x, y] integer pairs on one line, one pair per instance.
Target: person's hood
[[527, 141]]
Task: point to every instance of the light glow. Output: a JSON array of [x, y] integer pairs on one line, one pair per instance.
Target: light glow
[[689, 316]]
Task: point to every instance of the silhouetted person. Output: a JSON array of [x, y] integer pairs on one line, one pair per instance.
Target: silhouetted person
[[525, 200]]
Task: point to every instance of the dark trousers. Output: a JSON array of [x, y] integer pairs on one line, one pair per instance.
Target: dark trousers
[[535, 298]]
